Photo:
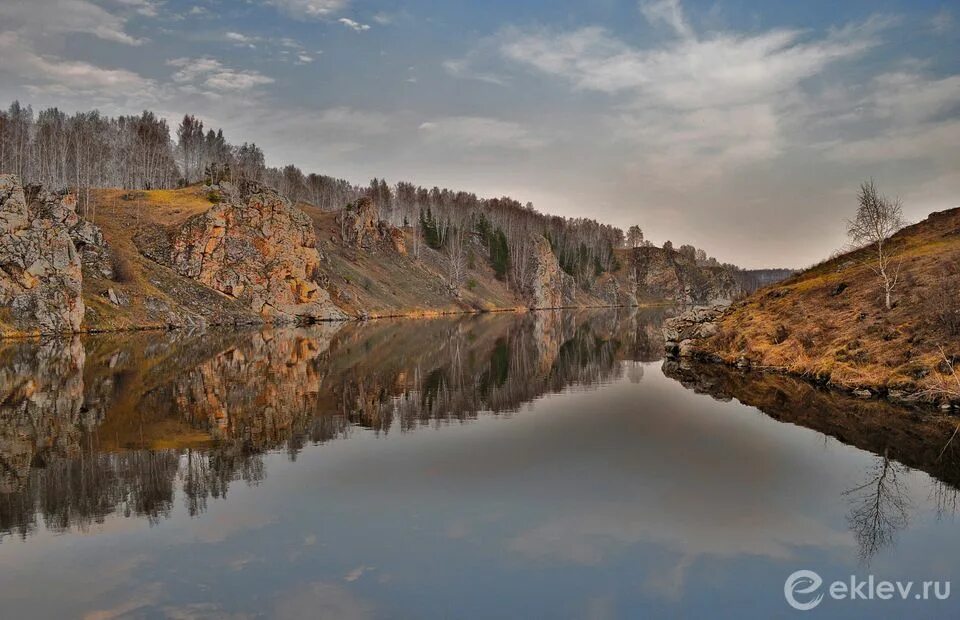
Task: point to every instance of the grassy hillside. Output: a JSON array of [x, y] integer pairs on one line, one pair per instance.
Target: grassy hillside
[[379, 281], [374, 281], [829, 322]]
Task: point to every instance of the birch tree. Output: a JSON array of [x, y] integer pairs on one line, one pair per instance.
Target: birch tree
[[877, 219]]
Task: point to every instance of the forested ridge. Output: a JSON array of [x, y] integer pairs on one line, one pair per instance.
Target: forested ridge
[[90, 150]]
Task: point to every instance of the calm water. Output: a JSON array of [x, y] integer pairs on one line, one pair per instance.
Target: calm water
[[546, 465]]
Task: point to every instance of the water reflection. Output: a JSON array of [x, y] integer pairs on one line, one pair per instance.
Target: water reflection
[[114, 423], [546, 456], [879, 507], [917, 437]]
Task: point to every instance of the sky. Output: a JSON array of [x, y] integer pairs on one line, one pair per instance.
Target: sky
[[743, 128]]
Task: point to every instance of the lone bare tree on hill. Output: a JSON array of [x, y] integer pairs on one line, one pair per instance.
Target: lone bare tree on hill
[[877, 219]]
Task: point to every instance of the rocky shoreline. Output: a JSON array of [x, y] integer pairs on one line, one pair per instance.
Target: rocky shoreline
[[686, 337]]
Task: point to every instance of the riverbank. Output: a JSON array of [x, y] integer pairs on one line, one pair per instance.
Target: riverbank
[[829, 324]]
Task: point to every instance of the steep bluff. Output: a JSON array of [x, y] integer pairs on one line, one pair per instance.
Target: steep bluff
[[40, 267], [657, 275], [255, 247], [550, 286]]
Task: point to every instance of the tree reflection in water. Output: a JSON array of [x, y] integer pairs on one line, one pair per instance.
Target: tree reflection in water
[[879, 507], [114, 424]]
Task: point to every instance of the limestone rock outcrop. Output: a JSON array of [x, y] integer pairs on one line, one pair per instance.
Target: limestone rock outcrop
[[660, 274], [682, 332], [255, 247], [359, 222], [361, 227], [40, 268], [550, 286]]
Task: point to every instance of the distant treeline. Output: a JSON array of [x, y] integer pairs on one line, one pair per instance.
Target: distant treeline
[[89, 150]]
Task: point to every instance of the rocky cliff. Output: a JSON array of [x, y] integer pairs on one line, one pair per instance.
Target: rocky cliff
[[255, 247], [40, 268], [240, 254], [550, 286], [660, 274]]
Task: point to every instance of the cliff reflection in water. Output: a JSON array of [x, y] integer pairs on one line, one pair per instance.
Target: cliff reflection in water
[[118, 424], [136, 424]]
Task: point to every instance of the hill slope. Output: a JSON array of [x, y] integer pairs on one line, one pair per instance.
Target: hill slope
[[242, 254], [829, 322]]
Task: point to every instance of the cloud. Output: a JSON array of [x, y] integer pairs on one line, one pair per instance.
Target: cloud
[[240, 38], [304, 58], [65, 16], [697, 104], [352, 25], [309, 9], [464, 69], [942, 22], [479, 132], [44, 73], [912, 116], [146, 8], [210, 74], [689, 74], [667, 12]]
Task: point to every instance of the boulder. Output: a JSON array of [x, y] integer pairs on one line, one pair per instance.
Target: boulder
[[256, 247], [682, 332], [550, 286], [40, 268]]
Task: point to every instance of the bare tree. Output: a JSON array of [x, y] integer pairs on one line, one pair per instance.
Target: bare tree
[[634, 236], [877, 219]]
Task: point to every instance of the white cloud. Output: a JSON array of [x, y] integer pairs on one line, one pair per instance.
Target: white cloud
[[304, 58], [64, 16], [668, 12], [147, 8], [352, 25], [210, 74], [51, 74], [479, 132], [692, 73], [699, 104], [916, 118], [464, 68], [239, 37], [309, 9]]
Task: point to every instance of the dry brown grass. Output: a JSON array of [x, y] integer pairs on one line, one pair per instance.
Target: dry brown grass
[[829, 322]]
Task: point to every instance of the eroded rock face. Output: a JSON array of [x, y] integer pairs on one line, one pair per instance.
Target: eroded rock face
[[41, 404], [661, 274], [40, 269], [361, 226], [682, 332], [359, 222], [550, 286], [256, 247]]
